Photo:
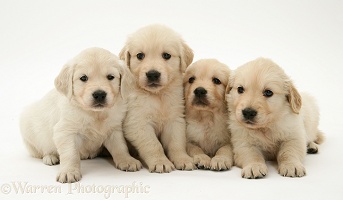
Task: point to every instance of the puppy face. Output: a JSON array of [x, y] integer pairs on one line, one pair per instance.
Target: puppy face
[[205, 82], [261, 93], [92, 79], [156, 55]]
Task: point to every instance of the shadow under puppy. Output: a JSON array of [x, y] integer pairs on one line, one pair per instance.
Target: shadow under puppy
[[157, 56], [270, 120], [79, 117], [208, 137]]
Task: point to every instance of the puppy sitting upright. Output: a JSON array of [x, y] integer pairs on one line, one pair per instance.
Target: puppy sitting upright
[[208, 138], [270, 120], [157, 57], [83, 113]]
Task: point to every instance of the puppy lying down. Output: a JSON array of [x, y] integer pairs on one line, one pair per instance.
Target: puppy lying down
[[208, 137], [270, 120], [79, 117]]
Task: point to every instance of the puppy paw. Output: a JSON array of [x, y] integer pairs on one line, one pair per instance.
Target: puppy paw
[[221, 163], [312, 148], [292, 170], [202, 161], [69, 176], [161, 166], [128, 164], [185, 163], [51, 159], [254, 170]]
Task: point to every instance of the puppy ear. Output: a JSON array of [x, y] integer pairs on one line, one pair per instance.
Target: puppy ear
[[125, 55], [227, 90], [127, 81], [64, 81], [229, 85], [186, 56], [294, 98]]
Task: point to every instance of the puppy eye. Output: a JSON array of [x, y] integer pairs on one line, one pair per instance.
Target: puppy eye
[[268, 93], [166, 56], [191, 79], [216, 81], [240, 90], [84, 78], [140, 56], [110, 77]]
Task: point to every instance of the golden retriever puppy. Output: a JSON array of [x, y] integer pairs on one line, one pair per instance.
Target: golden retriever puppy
[[155, 123], [208, 137], [83, 113], [270, 120]]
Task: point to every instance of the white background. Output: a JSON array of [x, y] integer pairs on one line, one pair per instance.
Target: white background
[[304, 37]]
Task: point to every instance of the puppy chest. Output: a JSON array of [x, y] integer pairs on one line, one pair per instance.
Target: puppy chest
[[162, 113], [267, 144], [208, 138]]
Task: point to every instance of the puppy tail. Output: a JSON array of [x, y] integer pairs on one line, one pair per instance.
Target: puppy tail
[[320, 137]]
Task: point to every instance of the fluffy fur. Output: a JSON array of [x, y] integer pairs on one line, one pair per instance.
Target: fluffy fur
[[76, 119], [155, 124], [270, 120], [208, 138]]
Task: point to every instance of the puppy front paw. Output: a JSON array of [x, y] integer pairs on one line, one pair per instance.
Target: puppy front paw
[[184, 163], [202, 161], [254, 171], [292, 169], [220, 163], [128, 164], [161, 166], [69, 176], [51, 159]]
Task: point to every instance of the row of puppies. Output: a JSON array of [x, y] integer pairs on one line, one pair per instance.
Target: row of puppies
[[100, 101]]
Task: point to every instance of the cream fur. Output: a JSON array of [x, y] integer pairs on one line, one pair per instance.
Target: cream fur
[[208, 138], [155, 121], [285, 123], [66, 125]]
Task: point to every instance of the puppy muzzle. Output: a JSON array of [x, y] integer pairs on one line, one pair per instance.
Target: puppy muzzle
[[249, 115], [99, 99], [200, 97], [153, 78]]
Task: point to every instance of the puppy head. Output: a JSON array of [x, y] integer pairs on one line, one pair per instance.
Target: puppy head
[[260, 93], [205, 82], [156, 55], [92, 79]]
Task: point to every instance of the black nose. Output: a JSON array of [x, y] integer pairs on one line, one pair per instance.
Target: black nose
[[99, 96], [200, 92], [153, 75], [249, 113]]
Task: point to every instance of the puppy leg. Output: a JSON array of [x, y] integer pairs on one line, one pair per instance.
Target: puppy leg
[[201, 160], [290, 157], [174, 141], [223, 160], [143, 138], [117, 147], [32, 150], [66, 143], [252, 162]]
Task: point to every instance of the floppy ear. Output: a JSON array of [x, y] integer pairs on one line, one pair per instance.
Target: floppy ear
[[127, 81], [294, 98], [229, 85], [186, 57], [64, 81], [125, 55]]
